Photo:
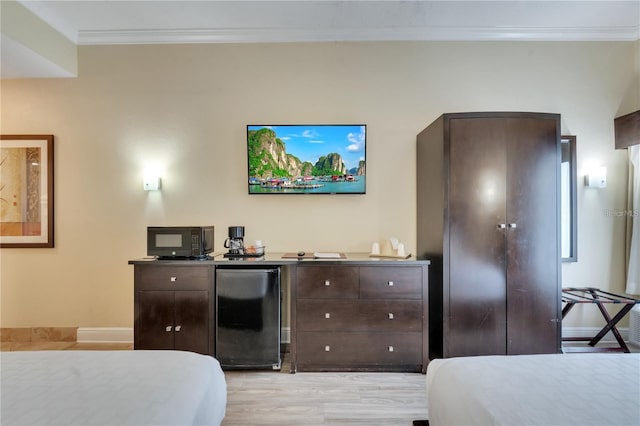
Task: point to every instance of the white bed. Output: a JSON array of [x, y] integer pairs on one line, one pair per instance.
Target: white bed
[[570, 389], [111, 388]]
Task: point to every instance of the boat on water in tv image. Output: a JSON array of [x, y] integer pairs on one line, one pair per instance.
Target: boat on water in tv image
[[307, 159]]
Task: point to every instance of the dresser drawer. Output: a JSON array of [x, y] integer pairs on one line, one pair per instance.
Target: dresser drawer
[[354, 350], [173, 277], [389, 282], [327, 282], [359, 315]]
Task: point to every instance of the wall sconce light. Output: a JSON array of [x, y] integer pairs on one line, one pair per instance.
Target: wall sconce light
[[151, 183], [596, 178]]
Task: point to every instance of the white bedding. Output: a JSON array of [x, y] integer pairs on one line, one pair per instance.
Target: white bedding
[[111, 388], [569, 389]]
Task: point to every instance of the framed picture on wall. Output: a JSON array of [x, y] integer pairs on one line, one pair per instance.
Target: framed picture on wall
[[26, 191]]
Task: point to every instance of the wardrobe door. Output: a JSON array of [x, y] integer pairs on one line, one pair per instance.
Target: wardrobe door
[[533, 259], [476, 317]]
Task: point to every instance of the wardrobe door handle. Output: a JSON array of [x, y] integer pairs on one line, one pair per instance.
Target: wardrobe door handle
[[513, 225], [502, 226], [168, 328]]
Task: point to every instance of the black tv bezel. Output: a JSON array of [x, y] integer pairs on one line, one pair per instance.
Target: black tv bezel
[[363, 192]]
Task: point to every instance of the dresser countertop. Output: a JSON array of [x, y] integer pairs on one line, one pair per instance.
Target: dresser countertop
[[218, 259]]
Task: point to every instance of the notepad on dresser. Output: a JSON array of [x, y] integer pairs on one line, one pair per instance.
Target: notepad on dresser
[[328, 255]]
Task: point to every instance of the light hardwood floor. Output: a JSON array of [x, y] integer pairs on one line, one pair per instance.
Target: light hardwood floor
[[281, 398], [271, 398]]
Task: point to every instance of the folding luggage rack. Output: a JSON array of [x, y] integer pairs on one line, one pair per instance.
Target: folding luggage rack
[[572, 296]]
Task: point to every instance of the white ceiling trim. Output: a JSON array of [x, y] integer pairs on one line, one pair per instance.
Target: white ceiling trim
[[275, 35]]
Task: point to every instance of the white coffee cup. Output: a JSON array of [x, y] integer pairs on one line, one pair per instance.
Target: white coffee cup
[[400, 251], [257, 243]]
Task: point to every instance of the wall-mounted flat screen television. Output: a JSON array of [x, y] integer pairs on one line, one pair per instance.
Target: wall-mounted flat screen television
[[307, 159]]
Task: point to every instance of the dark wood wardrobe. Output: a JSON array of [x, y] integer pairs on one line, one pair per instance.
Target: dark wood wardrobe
[[488, 219]]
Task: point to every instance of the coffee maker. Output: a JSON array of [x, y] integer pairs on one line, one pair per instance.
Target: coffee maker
[[235, 241]]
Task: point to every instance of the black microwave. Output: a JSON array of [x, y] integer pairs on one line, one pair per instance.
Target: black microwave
[[179, 242]]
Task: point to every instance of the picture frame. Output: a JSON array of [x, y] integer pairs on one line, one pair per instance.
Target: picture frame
[[26, 191]]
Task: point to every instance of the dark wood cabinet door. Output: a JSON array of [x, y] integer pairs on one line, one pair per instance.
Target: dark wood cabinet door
[[533, 258], [154, 320], [192, 321], [475, 316]]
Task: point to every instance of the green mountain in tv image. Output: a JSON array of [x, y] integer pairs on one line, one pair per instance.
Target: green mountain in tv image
[[268, 157]]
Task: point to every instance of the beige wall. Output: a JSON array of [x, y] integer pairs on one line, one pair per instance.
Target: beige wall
[[184, 108]]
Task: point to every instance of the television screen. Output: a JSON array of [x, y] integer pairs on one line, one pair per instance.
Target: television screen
[[307, 159]]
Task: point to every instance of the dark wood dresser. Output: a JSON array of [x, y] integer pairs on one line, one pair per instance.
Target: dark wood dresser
[[360, 317], [353, 314]]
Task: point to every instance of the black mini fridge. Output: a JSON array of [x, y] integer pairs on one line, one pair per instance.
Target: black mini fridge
[[248, 318]]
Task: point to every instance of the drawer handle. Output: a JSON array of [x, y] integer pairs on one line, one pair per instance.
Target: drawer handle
[[173, 279], [327, 315], [390, 315], [327, 283], [390, 283], [327, 348], [390, 348], [168, 328], [178, 328]]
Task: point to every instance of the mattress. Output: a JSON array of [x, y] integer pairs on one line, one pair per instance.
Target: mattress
[[570, 389], [111, 388]]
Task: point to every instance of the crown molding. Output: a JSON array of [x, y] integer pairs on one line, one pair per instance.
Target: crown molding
[[273, 35]]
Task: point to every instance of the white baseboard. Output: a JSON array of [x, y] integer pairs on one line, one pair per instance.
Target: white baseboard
[[592, 331], [285, 335], [105, 335], [125, 335]]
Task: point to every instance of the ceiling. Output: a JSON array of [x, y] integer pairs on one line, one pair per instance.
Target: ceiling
[[94, 22], [153, 21]]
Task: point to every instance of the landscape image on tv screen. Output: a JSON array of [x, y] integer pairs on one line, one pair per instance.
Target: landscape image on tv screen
[[307, 159]]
